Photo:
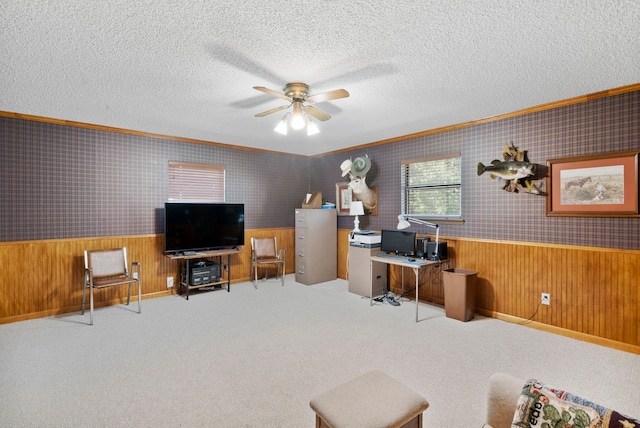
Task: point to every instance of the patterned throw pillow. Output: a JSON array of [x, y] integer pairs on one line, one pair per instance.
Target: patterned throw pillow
[[542, 406]]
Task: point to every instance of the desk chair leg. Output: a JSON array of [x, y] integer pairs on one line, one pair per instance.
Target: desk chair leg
[[255, 276], [91, 306], [84, 298]]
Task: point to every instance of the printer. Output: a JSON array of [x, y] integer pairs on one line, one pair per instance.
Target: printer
[[365, 239]]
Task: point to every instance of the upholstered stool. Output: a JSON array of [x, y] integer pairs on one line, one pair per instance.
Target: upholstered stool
[[373, 400]]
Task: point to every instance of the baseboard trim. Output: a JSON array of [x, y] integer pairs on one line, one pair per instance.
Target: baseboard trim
[[562, 331], [77, 308]]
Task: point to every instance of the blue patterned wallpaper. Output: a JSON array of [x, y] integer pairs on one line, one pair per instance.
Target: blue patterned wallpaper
[[60, 181], [600, 126]]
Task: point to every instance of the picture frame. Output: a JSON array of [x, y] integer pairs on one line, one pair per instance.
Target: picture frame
[[344, 197], [601, 185]]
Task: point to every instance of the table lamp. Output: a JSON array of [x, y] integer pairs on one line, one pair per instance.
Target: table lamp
[[356, 209]]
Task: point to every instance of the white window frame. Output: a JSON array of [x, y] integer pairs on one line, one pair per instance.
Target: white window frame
[[190, 181], [405, 188]]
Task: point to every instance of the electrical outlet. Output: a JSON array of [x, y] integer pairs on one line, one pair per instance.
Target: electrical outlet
[[169, 282], [545, 299]]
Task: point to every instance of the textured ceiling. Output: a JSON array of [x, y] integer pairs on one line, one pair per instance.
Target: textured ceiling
[[187, 68]]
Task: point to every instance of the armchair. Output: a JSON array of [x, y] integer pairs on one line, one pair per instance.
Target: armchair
[[108, 268], [264, 252]]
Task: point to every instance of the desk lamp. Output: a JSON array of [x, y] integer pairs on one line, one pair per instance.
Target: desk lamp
[[356, 209], [403, 223]]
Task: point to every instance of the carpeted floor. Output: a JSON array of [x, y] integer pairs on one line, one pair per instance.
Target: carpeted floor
[[254, 358]]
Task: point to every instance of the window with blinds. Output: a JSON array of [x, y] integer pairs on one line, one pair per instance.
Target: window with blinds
[[431, 187], [196, 182]]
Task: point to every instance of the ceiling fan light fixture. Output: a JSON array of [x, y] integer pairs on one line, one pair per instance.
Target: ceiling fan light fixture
[[281, 128], [312, 128], [297, 121], [297, 94]]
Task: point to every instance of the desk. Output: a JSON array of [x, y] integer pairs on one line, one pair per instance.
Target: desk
[[404, 262], [184, 280]]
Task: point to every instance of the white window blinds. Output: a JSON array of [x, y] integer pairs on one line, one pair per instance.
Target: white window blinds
[[431, 187], [196, 182]]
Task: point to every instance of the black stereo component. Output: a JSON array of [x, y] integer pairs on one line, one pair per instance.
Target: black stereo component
[[439, 253], [203, 272], [421, 247]]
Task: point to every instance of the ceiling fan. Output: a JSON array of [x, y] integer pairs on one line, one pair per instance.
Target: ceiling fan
[[297, 94]]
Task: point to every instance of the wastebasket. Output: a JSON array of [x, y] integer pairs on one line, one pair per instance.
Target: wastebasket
[[459, 293]]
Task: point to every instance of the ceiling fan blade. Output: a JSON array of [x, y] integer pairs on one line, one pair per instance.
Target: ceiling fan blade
[[273, 110], [272, 92], [326, 96], [317, 113]]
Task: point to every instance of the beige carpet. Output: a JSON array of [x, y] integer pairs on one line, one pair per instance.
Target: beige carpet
[[254, 358]]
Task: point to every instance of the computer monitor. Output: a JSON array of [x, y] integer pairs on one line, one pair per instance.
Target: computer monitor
[[398, 242]]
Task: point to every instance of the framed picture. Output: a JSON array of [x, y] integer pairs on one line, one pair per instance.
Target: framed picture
[[604, 185], [344, 197]]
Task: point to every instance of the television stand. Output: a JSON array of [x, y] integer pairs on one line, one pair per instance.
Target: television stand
[[185, 259]]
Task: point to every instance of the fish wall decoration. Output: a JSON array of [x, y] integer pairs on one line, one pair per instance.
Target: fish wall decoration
[[514, 169]]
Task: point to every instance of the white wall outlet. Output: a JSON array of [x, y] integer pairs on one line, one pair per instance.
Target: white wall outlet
[[545, 299], [169, 282]]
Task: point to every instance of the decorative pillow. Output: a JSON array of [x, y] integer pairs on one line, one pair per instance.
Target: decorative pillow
[[543, 406]]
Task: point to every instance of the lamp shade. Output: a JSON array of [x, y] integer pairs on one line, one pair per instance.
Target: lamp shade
[[297, 120], [356, 208], [312, 128], [402, 222], [281, 128]]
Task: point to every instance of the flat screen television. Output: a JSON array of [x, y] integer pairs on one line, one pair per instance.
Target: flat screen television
[[193, 226], [398, 242]]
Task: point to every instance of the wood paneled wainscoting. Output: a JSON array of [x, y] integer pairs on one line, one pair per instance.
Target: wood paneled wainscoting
[[43, 278], [595, 292]]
